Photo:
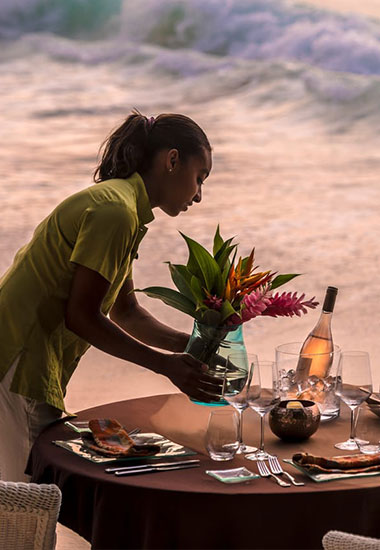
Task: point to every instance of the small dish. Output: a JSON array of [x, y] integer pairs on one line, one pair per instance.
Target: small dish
[[234, 475]]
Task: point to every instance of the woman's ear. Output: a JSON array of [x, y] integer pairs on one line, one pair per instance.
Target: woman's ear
[[172, 160]]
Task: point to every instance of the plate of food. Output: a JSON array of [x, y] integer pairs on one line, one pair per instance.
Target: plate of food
[[108, 441]]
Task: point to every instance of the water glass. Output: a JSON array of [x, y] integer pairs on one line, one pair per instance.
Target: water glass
[[222, 436]]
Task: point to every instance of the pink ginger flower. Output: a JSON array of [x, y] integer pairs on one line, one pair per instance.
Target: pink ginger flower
[[213, 302], [288, 304], [255, 304]]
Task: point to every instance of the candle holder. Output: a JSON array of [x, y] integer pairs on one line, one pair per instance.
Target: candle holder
[[294, 419]]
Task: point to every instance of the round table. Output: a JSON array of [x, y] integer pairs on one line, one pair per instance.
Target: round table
[[188, 508]]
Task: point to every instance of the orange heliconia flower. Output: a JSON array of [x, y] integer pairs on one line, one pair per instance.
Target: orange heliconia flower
[[242, 281]]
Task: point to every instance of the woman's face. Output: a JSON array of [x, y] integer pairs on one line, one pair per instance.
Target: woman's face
[[183, 185]]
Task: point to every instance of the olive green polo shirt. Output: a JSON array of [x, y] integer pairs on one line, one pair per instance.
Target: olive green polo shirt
[[100, 228]]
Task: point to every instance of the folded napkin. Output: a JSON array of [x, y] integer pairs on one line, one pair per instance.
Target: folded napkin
[[108, 437], [354, 464]]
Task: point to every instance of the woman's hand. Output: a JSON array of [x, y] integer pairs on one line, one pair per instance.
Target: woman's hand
[[190, 376]]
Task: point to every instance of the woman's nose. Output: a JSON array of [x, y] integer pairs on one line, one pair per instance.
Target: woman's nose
[[198, 196]]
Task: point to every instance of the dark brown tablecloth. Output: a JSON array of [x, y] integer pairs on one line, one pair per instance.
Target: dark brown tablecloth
[[189, 509]]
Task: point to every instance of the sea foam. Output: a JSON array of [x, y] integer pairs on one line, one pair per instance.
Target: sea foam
[[246, 29]]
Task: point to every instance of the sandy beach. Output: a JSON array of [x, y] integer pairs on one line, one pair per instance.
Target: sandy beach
[[296, 161]]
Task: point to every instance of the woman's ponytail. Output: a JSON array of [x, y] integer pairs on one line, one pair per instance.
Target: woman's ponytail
[[124, 150], [133, 145]]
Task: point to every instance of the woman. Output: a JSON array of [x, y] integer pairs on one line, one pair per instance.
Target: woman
[[77, 269]]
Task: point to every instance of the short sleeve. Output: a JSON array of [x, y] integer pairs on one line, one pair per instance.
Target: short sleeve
[[104, 239]]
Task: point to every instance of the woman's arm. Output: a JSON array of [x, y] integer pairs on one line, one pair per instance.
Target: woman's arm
[[84, 317], [139, 323]]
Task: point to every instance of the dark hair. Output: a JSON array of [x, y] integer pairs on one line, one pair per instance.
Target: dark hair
[[133, 145]]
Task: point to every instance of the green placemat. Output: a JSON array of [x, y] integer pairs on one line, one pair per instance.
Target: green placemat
[[328, 477], [168, 449]]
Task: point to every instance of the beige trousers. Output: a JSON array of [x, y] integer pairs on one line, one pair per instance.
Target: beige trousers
[[21, 421]]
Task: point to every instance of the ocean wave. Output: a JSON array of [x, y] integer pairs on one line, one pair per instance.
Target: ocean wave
[[189, 65], [74, 18], [297, 90], [245, 29], [258, 29]]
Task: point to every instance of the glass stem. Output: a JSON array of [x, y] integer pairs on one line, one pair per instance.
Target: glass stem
[[262, 432], [353, 424], [240, 428]]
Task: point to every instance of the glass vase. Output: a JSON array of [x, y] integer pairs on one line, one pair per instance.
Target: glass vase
[[212, 345]]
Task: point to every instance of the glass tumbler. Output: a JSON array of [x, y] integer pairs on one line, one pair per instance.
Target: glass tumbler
[[222, 435]]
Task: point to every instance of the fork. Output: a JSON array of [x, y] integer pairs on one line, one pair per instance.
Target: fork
[[264, 472], [276, 468]]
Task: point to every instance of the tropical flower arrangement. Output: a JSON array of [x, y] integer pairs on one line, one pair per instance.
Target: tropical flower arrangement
[[221, 292]]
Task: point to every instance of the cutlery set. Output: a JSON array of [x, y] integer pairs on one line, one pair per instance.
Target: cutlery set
[[275, 470], [159, 467]]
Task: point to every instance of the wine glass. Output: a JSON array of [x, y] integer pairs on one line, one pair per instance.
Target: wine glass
[[237, 378], [262, 399], [353, 385]]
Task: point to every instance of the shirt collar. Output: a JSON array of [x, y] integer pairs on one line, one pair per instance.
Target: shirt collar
[[144, 209]]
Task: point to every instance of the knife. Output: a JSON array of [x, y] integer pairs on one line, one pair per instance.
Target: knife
[[155, 469], [144, 466]]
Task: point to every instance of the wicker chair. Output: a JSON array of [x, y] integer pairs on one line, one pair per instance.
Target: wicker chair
[[338, 540], [28, 515]]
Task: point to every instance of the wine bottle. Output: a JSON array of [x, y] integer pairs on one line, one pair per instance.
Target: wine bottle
[[319, 341]]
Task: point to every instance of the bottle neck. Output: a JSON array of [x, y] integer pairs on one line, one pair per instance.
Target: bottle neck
[[323, 327], [329, 302]]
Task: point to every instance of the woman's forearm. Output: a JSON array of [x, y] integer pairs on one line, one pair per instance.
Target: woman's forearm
[[140, 324], [105, 335]]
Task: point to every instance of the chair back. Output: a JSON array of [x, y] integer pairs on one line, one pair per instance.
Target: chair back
[[338, 540], [28, 515]]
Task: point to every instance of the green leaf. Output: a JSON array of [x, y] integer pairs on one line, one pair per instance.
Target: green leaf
[[171, 298], [196, 288], [225, 273], [227, 310], [211, 317], [244, 263], [218, 288], [227, 268], [201, 263], [282, 279], [181, 277], [224, 253], [218, 241]]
